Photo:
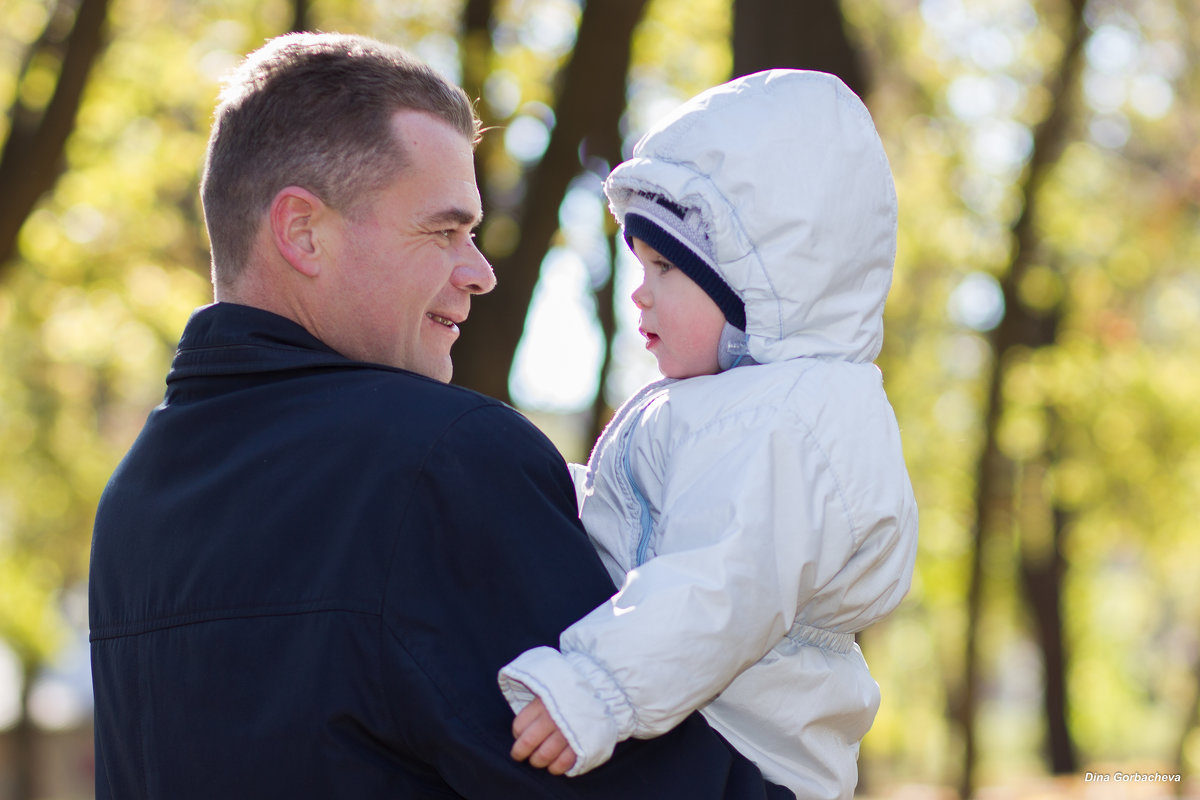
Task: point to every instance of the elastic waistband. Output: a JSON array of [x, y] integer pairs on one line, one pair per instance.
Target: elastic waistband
[[809, 636]]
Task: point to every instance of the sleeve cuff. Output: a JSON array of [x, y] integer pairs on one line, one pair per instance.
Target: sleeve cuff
[[582, 716]]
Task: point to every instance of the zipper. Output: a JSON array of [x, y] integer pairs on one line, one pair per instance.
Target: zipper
[[647, 524]]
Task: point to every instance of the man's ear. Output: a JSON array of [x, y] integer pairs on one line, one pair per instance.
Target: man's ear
[[295, 218]]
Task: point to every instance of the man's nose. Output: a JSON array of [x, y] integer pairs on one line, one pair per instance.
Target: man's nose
[[475, 274]]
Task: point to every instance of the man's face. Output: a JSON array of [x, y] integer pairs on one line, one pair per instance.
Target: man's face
[[406, 261]]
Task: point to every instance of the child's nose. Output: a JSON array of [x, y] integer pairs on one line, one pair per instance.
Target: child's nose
[[641, 297]]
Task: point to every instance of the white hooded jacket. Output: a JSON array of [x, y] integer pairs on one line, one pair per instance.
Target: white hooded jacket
[[756, 519]]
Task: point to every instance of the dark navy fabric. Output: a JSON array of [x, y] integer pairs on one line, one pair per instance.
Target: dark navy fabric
[[307, 571]]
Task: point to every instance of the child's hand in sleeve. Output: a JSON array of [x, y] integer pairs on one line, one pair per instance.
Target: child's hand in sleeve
[[540, 740]]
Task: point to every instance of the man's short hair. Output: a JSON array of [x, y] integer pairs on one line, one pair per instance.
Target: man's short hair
[[313, 110]]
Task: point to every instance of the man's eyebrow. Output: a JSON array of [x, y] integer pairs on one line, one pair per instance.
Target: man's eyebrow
[[456, 216]]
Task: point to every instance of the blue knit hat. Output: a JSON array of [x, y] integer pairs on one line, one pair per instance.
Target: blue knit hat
[[678, 233]]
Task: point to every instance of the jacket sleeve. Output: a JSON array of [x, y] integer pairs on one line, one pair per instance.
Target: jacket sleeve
[[494, 561], [753, 523]]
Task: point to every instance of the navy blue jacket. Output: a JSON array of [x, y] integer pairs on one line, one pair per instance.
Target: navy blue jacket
[[307, 572]]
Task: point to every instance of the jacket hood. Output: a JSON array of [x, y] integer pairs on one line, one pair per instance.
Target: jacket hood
[[796, 194]]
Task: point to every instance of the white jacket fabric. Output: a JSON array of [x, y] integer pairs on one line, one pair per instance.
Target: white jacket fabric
[[754, 520]]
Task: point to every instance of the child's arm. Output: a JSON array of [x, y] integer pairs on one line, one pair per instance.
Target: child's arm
[[539, 739], [736, 556], [756, 540]]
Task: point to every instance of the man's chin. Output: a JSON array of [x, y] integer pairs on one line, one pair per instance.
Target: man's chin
[[442, 371]]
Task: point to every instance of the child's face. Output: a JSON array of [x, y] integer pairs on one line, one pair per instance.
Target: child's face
[[681, 323]]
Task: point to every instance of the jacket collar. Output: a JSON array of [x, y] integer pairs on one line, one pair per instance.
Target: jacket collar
[[230, 339]]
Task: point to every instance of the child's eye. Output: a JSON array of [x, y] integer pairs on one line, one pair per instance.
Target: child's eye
[[663, 266]]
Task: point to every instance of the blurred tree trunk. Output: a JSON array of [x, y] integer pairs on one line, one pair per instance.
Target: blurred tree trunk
[[1021, 329], [32, 157], [589, 100], [30, 163], [476, 61], [785, 33], [1042, 566], [301, 20], [476, 51], [606, 316], [24, 746], [1191, 723]]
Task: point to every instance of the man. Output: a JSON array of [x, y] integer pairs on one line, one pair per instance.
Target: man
[[316, 556]]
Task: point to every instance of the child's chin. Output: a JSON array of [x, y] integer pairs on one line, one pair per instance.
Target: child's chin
[[676, 373], [680, 374]]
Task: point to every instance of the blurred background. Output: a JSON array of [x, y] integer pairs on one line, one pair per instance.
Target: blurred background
[[1042, 347]]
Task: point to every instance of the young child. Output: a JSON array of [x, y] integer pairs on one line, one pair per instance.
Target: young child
[[753, 506]]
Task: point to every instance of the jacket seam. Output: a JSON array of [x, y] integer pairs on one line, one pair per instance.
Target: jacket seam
[[143, 754], [434, 444], [809, 434], [397, 545], [125, 630]]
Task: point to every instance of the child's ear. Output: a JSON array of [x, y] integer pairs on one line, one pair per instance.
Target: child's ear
[[296, 217]]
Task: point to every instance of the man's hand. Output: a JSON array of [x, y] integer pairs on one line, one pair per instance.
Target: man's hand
[[540, 740]]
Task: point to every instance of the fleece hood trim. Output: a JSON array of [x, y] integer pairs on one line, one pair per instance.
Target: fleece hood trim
[[656, 232]]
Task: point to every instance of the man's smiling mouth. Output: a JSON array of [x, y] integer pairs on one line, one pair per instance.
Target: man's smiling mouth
[[449, 323]]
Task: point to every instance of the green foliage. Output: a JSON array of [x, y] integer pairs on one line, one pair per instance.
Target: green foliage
[[1103, 421], [1118, 237], [110, 265]]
